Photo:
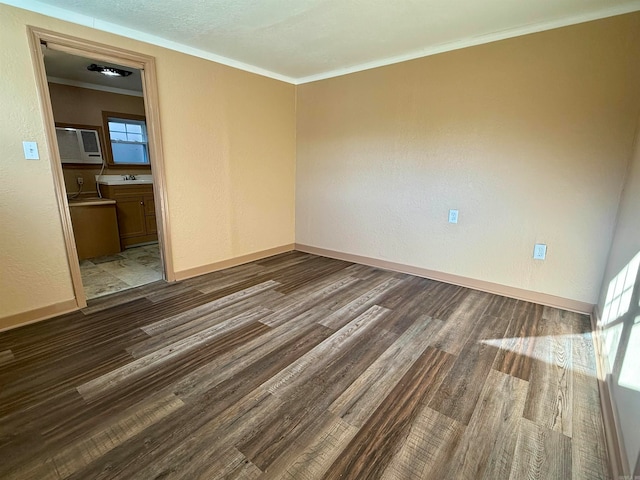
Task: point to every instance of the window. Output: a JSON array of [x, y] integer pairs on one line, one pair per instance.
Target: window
[[127, 138], [620, 291]]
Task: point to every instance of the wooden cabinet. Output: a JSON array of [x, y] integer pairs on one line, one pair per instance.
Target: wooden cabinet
[[136, 213], [95, 228]]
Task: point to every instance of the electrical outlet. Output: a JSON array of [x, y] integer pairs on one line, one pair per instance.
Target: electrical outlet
[[539, 251], [453, 216], [80, 180]]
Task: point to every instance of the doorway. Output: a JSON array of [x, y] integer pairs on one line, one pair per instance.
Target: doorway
[[103, 132]]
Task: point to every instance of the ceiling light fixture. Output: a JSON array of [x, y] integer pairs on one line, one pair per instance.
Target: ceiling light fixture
[[109, 71]]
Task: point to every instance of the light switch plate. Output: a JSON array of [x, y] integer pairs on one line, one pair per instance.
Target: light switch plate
[[30, 150]]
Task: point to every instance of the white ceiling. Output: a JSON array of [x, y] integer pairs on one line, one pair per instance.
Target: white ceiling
[[305, 40], [70, 69]]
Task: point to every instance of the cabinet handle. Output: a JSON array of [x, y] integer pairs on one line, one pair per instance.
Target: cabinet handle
[[141, 203]]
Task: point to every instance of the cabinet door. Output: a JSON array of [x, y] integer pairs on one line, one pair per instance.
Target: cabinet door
[[131, 218], [95, 230], [149, 204], [151, 224], [150, 212]]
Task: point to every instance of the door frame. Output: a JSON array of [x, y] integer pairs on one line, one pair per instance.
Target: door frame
[[110, 54]]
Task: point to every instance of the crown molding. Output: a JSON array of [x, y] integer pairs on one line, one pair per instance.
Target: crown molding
[[92, 22], [477, 40], [93, 86]]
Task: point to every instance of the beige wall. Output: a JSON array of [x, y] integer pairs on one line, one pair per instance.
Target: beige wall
[[83, 106], [528, 137], [229, 145], [621, 341]]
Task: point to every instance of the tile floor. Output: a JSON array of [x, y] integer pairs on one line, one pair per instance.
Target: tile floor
[[113, 273]]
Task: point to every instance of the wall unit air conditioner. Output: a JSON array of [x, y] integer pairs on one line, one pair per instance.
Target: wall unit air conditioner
[[79, 145]]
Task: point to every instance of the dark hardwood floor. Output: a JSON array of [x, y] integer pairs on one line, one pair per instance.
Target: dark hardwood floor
[[302, 367]]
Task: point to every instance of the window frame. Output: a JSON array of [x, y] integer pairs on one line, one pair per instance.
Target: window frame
[[108, 151]]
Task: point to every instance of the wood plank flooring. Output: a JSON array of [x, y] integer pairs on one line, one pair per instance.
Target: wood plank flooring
[[302, 367]]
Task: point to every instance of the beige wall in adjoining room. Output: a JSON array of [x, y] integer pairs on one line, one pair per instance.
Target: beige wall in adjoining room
[[528, 138], [72, 104], [83, 106], [619, 309], [229, 149]]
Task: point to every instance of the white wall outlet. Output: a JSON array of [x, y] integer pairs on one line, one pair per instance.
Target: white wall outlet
[[539, 251], [30, 150], [453, 216], [80, 180]]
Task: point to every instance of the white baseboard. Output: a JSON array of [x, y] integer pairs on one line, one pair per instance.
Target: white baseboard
[[496, 288]]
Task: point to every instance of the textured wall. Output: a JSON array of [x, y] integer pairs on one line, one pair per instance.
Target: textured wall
[[85, 106], [229, 145], [528, 137], [626, 240], [622, 330], [33, 261]]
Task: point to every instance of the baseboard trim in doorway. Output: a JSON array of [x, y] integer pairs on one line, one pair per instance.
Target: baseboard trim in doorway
[[37, 314], [489, 287], [232, 262]]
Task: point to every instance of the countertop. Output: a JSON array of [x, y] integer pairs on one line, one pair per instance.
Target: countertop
[[89, 202], [123, 180]]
